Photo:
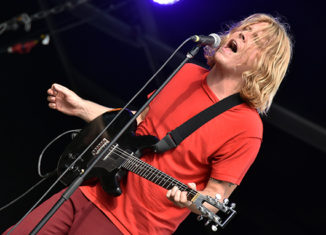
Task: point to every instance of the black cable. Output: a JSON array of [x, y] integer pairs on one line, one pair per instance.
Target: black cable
[[45, 176], [47, 146], [26, 192]]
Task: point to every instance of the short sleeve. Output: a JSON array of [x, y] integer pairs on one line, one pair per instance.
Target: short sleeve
[[234, 159]]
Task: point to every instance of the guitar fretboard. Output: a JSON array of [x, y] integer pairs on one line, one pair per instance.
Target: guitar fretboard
[[154, 175]]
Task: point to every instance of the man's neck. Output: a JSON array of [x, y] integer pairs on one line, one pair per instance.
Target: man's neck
[[222, 84]]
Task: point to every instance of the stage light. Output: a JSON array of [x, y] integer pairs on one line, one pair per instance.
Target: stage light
[[166, 2]]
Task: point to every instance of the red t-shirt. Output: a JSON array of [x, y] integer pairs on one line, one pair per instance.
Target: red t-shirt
[[224, 148]]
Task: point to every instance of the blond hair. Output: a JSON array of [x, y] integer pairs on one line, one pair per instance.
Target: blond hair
[[260, 84]]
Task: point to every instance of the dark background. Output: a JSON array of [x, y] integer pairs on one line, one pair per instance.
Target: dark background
[[108, 55]]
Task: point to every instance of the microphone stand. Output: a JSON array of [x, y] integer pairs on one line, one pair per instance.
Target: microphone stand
[[78, 181]]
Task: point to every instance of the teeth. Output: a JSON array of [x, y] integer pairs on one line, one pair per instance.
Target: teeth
[[234, 46]]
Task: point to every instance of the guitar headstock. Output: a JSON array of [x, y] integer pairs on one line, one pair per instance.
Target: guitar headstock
[[225, 207]]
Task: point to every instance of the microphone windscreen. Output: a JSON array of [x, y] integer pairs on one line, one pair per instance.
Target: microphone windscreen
[[217, 40]]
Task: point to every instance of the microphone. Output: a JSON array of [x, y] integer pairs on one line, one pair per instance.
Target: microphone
[[212, 40]]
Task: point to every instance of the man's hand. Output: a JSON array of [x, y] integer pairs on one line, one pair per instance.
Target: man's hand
[[213, 187], [179, 198], [68, 102], [64, 100]]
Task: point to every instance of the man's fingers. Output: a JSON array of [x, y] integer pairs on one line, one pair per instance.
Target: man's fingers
[[192, 186], [177, 196], [183, 197], [50, 91], [171, 193], [52, 105], [168, 194], [59, 88], [51, 98], [174, 190]]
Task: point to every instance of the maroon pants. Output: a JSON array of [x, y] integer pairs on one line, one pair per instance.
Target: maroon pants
[[76, 216]]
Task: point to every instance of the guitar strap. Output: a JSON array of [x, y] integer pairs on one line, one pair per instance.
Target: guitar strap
[[175, 137]]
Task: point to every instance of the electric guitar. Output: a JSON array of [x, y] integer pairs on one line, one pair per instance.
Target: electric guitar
[[124, 156]]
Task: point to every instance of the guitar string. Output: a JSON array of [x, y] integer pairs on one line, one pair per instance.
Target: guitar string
[[125, 155], [159, 174], [150, 170]]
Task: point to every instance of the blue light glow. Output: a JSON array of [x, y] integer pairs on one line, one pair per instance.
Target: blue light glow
[[166, 2]]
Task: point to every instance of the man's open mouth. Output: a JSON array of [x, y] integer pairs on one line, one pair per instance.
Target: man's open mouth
[[233, 45]]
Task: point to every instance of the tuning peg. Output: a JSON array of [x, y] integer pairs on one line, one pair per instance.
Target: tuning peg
[[200, 217], [232, 205], [216, 219], [201, 209], [226, 201], [210, 216], [214, 228], [207, 222], [218, 197], [211, 200]]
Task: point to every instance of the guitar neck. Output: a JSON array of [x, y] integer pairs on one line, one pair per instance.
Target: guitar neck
[[156, 176]]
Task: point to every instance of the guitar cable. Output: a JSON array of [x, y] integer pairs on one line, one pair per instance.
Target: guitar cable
[[26, 192], [100, 134], [43, 176], [74, 132]]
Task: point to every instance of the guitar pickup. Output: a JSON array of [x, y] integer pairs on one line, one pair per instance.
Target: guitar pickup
[[98, 149]]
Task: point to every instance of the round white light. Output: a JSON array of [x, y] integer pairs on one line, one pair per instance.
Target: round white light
[[166, 2]]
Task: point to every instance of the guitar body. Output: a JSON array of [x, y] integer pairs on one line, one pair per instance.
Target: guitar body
[[108, 170]]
